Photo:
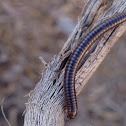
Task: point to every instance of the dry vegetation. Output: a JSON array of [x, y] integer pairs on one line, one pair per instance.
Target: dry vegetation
[[33, 28]]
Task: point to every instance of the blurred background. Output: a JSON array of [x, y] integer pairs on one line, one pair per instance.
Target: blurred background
[[33, 28]]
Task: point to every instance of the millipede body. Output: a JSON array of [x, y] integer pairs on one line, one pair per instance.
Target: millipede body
[[75, 58]]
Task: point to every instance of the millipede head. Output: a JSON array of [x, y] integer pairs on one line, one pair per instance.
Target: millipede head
[[71, 115]]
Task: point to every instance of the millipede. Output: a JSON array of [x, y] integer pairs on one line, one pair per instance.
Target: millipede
[[77, 55]]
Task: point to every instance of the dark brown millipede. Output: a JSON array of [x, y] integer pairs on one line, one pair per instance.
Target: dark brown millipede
[[75, 58]]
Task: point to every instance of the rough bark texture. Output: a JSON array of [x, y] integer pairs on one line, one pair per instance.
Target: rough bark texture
[[46, 103]]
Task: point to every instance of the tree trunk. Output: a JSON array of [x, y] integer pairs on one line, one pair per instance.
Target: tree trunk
[[45, 106]]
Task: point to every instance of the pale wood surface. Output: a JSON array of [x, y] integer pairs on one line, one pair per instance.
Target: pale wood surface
[[46, 103]]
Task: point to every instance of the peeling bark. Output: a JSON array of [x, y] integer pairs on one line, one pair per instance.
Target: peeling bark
[[45, 106]]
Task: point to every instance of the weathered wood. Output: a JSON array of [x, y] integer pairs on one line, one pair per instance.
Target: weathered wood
[[45, 106]]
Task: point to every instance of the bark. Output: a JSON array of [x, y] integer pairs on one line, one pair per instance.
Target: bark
[[45, 106]]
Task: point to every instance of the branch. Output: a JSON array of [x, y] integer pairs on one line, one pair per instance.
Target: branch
[[45, 106]]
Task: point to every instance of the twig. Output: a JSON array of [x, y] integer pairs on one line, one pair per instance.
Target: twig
[[4, 113]]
